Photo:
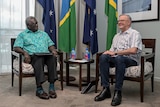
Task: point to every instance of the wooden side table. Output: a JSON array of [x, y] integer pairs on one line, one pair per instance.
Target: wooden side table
[[80, 63]]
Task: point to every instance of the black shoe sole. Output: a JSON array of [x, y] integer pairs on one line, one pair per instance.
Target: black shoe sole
[[101, 99], [41, 97]]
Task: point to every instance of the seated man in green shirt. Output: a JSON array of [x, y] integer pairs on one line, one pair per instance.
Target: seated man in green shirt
[[32, 41]]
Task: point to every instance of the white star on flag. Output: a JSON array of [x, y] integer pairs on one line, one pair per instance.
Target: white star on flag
[[91, 32], [51, 30], [94, 11], [50, 12], [96, 29]]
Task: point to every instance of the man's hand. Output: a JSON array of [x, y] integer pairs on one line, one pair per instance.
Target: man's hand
[[27, 58], [109, 53], [54, 52]]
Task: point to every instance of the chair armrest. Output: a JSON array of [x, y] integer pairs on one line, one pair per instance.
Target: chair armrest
[[147, 57], [19, 56], [99, 54], [16, 54], [97, 57], [60, 54]]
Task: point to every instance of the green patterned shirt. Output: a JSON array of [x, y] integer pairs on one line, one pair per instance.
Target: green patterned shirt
[[33, 42]]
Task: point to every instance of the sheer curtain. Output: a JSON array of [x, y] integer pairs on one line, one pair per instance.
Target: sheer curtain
[[12, 22]]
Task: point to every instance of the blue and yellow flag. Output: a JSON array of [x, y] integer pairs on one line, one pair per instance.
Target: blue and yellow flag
[[67, 26], [111, 12], [49, 20], [90, 26]]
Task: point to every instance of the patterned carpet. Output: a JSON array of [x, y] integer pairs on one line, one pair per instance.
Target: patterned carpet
[[71, 96]]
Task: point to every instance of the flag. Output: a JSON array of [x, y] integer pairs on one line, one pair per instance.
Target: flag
[[67, 26], [90, 26], [111, 12], [49, 20]]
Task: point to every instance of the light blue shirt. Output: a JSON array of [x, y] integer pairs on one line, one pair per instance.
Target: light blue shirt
[[33, 42], [128, 39]]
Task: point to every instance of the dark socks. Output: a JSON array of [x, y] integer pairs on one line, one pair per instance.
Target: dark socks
[[39, 89], [51, 86]]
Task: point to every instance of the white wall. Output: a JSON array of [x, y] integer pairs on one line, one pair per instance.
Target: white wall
[[151, 30], [148, 29]]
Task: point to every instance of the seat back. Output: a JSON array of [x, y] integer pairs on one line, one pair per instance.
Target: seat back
[[150, 43]]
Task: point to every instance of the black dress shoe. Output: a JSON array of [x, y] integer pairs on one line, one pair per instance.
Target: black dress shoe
[[105, 93], [52, 94], [42, 95], [116, 98]]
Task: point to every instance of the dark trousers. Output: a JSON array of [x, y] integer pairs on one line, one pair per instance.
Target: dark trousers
[[120, 63], [38, 63]]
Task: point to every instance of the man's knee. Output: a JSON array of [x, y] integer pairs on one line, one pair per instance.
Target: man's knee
[[119, 58], [104, 58]]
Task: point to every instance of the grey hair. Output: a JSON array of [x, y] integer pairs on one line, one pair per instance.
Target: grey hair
[[28, 19], [129, 17]]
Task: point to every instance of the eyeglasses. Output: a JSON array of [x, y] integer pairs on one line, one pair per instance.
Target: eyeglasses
[[121, 20], [33, 23]]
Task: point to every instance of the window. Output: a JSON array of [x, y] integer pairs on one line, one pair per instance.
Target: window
[[12, 21]]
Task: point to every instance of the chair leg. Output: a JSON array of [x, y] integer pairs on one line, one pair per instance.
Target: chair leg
[[152, 83], [20, 85], [97, 79], [142, 90], [12, 78], [96, 86], [61, 74]]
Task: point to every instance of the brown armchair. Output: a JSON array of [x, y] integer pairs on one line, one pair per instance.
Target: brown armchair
[[28, 72], [139, 73]]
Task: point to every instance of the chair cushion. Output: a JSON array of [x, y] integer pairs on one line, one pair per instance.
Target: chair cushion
[[27, 68], [135, 71]]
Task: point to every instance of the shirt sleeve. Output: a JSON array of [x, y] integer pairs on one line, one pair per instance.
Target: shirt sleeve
[[137, 41], [19, 41], [50, 42], [114, 41]]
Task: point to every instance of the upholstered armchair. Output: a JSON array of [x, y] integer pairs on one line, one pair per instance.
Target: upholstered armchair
[[139, 73], [24, 70]]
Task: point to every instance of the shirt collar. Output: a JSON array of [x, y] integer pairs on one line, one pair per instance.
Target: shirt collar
[[126, 32], [29, 31]]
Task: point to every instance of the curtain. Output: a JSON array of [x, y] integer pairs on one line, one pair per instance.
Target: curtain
[[12, 22]]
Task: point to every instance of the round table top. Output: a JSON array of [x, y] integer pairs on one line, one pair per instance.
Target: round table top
[[79, 61]]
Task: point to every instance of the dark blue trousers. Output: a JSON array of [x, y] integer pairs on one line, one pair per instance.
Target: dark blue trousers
[[120, 63], [38, 63]]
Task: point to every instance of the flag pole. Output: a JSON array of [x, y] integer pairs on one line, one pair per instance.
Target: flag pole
[[88, 46], [58, 22], [78, 31]]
